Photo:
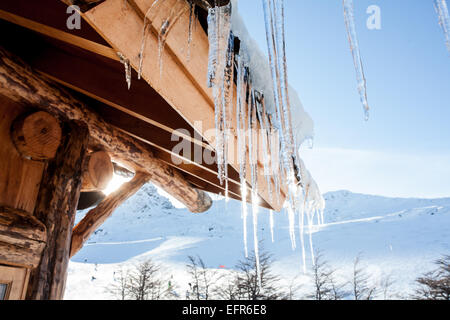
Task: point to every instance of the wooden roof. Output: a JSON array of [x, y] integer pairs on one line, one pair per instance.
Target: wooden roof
[[86, 63]]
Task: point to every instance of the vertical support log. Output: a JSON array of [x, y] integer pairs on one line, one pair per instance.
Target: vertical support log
[[56, 208]]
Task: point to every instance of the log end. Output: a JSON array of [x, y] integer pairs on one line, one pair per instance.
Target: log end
[[37, 136]]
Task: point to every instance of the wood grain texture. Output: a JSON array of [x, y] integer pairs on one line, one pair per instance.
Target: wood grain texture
[[36, 136], [20, 83], [21, 228], [97, 216], [20, 178], [56, 208]]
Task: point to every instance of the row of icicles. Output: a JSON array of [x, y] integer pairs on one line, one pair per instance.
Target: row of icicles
[[271, 132], [258, 131]]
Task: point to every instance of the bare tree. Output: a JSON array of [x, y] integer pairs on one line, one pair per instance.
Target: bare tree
[[142, 282], [361, 287], [435, 285], [293, 288], [146, 283], [120, 286], [202, 278], [386, 282], [249, 287], [228, 287], [325, 285]]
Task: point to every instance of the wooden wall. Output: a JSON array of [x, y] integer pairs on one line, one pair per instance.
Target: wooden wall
[[19, 178]]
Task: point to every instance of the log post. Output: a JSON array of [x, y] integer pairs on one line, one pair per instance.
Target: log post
[[97, 216], [56, 208]]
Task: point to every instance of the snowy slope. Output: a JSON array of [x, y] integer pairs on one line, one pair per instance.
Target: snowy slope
[[396, 236]]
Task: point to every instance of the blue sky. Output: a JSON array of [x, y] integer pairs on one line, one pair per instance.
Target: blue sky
[[404, 149]]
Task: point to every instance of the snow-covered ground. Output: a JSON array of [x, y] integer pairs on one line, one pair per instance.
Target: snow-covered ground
[[397, 237]]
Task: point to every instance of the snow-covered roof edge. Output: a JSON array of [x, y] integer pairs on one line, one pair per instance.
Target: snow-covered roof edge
[[303, 125]]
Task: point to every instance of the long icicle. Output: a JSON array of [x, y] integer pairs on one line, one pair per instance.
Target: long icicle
[[272, 226], [357, 60], [242, 147], [227, 104], [255, 235], [191, 24], [253, 158], [164, 31], [274, 21], [147, 23], [127, 66], [265, 147], [219, 28], [444, 19]]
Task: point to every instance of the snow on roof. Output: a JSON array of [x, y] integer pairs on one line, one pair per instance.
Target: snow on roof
[[257, 61]]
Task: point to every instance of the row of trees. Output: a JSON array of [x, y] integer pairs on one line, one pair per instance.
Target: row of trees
[[146, 281]]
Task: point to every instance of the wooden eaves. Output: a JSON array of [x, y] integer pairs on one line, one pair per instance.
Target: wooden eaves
[[100, 81]]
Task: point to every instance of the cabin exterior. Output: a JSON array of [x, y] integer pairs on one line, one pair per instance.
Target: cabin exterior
[[69, 122]]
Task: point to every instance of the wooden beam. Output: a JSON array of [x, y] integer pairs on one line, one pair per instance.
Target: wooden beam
[[22, 237], [97, 216], [83, 4], [20, 83], [54, 33], [19, 225], [56, 208]]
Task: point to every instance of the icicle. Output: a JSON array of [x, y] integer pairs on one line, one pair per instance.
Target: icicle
[[357, 60], [291, 219], [127, 66], [255, 235], [244, 215], [444, 19], [310, 229], [166, 26], [272, 225], [274, 20], [144, 36], [301, 225], [253, 140], [242, 147], [141, 52], [191, 23], [219, 28], [274, 146], [262, 116], [227, 104]]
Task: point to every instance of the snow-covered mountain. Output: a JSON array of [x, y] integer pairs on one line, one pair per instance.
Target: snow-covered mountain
[[400, 237]]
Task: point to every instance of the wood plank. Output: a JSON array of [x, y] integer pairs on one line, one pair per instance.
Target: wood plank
[[89, 45], [19, 178], [52, 13]]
